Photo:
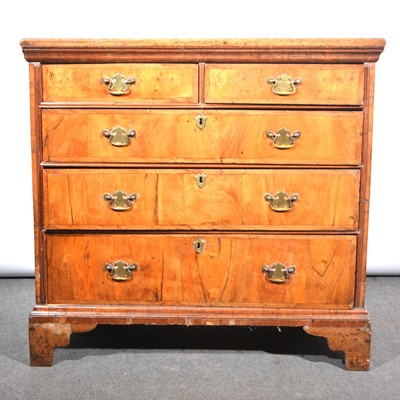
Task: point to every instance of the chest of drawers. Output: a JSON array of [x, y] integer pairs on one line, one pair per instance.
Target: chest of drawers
[[201, 182]]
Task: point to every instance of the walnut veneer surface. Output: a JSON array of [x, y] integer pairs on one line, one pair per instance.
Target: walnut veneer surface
[[201, 182]]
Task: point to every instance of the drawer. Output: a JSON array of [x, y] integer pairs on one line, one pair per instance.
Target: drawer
[[167, 269], [173, 136], [320, 84], [153, 83], [208, 199]]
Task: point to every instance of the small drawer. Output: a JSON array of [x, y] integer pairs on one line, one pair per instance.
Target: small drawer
[[121, 83], [256, 270], [169, 199], [302, 84], [202, 136]]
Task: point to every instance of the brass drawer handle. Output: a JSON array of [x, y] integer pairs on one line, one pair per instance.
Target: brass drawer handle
[[120, 201], [283, 139], [118, 136], [120, 271], [280, 201], [118, 85], [278, 273], [284, 85]]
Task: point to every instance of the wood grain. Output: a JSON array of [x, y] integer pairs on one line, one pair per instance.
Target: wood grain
[[36, 156], [171, 136], [45, 337], [355, 342], [228, 271], [365, 186], [321, 84], [231, 199], [154, 83], [204, 50], [190, 315]]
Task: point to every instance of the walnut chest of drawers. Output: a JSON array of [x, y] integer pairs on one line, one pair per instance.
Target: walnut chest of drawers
[[201, 182]]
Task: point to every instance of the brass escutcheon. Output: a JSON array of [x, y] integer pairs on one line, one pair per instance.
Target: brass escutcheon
[[118, 136], [201, 121], [284, 85], [278, 273], [120, 271], [200, 179], [120, 201], [283, 139], [280, 201], [199, 245], [118, 85]]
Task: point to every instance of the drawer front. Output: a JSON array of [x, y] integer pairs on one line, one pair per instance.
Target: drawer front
[[170, 136], [158, 83], [166, 269], [320, 84], [209, 199]]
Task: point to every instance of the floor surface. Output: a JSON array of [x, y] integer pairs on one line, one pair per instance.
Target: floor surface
[[198, 363]]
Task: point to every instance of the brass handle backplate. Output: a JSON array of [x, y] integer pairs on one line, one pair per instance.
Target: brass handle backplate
[[120, 201], [119, 136], [278, 273], [284, 85], [120, 271], [118, 85], [280, 201], [283, 139]]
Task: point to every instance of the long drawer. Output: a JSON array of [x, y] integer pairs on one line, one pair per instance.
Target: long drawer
[[208, 136], [281, 199], [310, 271], [341, 84], [120, 83]]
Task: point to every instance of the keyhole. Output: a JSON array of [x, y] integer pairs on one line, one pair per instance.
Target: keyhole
[[201, 121], [198, 245], [200, 179]]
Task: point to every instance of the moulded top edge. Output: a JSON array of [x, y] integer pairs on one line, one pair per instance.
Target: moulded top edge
[[309, 50], [207, 43]]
